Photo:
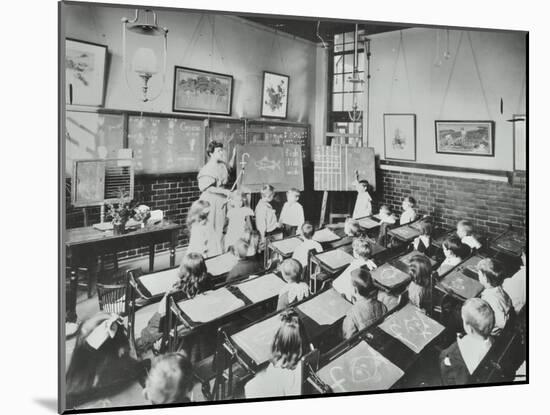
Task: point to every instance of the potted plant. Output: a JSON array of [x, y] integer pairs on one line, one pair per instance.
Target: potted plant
[[119, 213]]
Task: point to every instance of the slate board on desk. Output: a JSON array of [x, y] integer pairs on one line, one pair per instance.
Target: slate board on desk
[[463, 286], [511, 242], [277, 165], [389, 276], [220, 264], [256, 340], [210, 305], [335, 259], [412, 327], [325, 235], [261, 288], [326, 308], [159, 283], [406, 259], [405, 232], [368, 222], [288, 245], [360, 368]]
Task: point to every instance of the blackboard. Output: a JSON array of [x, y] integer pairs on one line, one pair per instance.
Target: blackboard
[[278, 165], [280, 134], [335, 167], [166, 145], [359, 369], [90, 135], [412, 327], [228, 133]]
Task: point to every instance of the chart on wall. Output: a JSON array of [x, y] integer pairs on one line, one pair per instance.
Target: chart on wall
[[336, 166], [278, 165], [166, 145], [90, 135]]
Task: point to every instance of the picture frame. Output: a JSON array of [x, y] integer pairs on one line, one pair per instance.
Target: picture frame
[[85, 65], [468, 138], [520, 142], [400, 136], [202, 92], [275, 88]]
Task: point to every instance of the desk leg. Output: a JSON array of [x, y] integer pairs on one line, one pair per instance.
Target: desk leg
[[173, 243], [70, 298], [151, 257]]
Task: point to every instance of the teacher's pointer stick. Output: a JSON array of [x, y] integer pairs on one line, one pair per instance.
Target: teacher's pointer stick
[[243, 163]]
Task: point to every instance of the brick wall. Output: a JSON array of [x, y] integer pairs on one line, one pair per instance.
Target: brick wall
[[490, 205]]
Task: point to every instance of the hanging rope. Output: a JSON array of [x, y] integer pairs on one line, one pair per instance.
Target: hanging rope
[[479, 77], [450, 76], [194, 39], [400, 51]]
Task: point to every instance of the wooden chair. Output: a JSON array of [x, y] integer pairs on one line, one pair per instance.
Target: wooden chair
[[113, 298]]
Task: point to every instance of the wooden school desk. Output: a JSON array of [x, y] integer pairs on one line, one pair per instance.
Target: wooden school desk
[[87, 244], [278, 251], [320, 313], [509, 243], [377, 357], [219, 266], [406, 233]]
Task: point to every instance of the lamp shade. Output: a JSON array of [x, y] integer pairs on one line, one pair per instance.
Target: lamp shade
[[145, 61]]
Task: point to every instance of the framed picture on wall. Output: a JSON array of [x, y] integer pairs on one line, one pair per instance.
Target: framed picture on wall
[[202, 92], [84, 72], [400, 136], [275, 95], [520, 142], [471, 138]]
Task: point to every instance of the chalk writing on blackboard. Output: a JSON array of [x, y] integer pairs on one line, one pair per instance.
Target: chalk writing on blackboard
[[360, 369], [412, 327]]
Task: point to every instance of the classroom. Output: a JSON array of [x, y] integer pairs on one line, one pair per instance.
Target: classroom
[[261, 206]]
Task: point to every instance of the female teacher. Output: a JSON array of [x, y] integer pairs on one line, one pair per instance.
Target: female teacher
[[212, 177]]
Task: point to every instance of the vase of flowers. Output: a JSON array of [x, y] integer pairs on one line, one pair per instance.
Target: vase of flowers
[[141, 214]]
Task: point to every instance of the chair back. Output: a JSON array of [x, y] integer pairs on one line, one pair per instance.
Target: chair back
[[113, 298], [176, 327]]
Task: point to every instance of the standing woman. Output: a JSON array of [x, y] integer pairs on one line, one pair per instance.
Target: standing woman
[[212, 179]]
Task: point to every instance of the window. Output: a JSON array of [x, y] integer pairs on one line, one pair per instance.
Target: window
[[343, 93]]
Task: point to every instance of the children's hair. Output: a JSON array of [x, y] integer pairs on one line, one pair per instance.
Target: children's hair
[[240, 248], [411, 200], [291, 270], [361, 279], [426, 228], [88, 365], [197, 212], [453, 244], [213, 145], [170, 378], [295, 191], [385, 208], [267, 190], [307, 230], [352, 228], [364, 183], [492, 271], [362, 247], [420, 270], [479, 315], [466, 225], [240, 195], [290, 341], [192, 274]]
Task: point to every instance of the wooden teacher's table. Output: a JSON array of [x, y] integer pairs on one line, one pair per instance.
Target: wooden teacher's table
[[85, 244]]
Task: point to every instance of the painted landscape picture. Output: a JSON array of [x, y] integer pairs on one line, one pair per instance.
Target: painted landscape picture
[[202, 92], [475, 138]]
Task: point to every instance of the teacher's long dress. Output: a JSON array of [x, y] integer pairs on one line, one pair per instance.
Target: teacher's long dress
[[212, 175]]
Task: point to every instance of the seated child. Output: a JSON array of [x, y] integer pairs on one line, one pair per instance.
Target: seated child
[[387, 219], [366, 309], [516, 286], [170, 379], [246, 265], [238, 218], [352, 230], [454, 252], [201, 231], [283, 376], [295, 290], [423, 243], [419, 290], [361, 254], [302, 250], [363, 203], [490, 276], [459, 361], [292, 214], [193, 279], [266, 217], [464, 230], [409, 213], [100, 365]]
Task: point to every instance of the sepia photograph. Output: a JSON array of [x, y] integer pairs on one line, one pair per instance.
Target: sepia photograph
[[253, 207]]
